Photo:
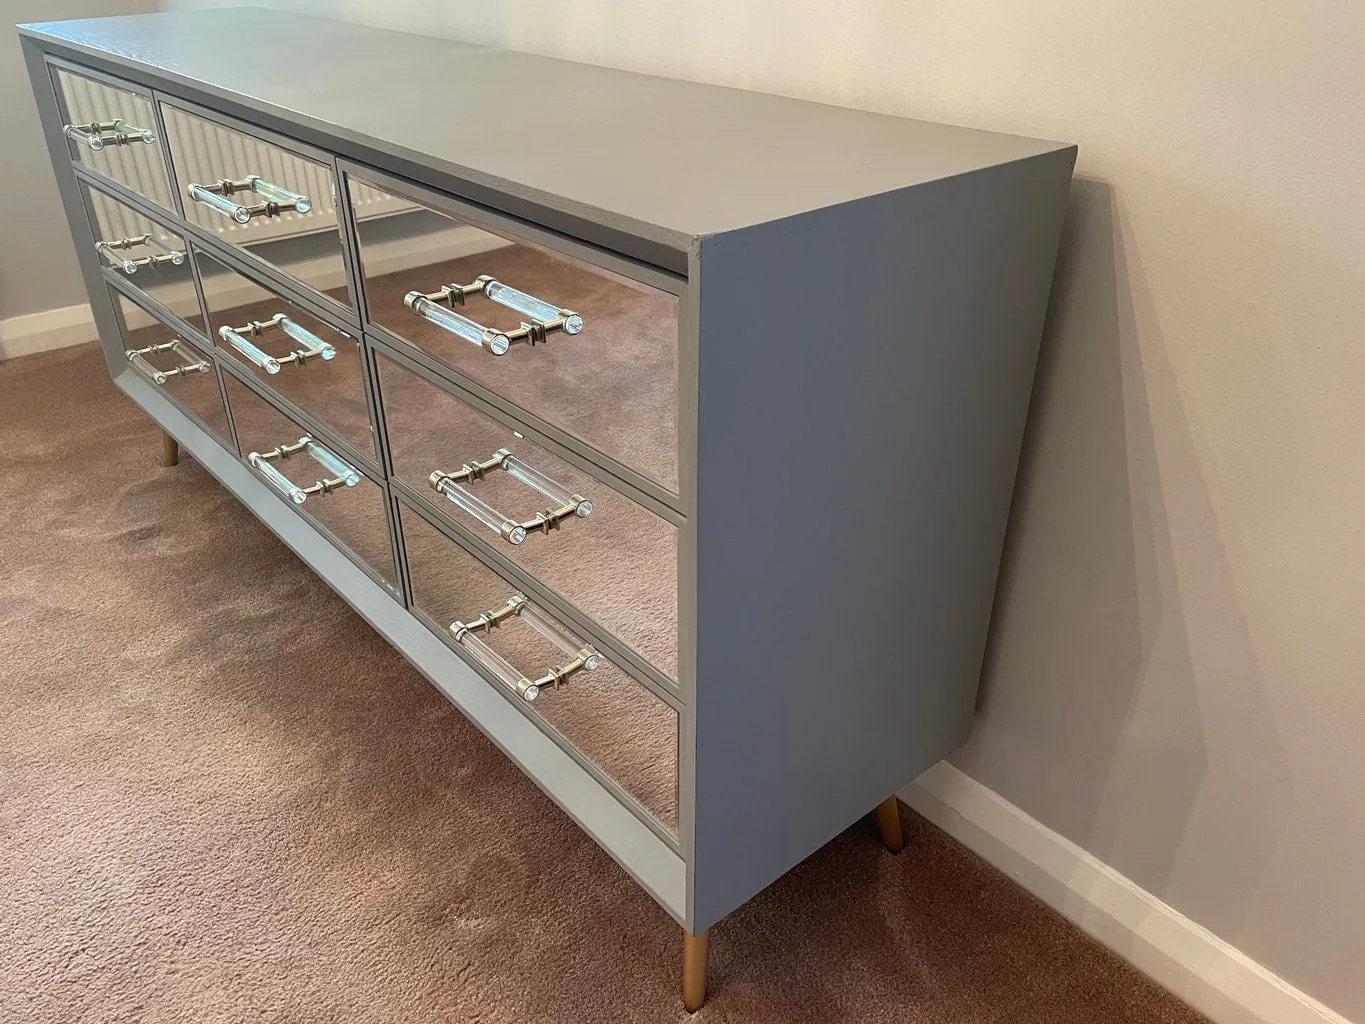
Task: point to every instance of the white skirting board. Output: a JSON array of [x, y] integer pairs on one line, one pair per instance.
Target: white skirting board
[[40, 332], [1214, 977]]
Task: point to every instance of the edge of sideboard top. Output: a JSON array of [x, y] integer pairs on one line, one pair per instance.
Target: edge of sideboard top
[[663, 160]]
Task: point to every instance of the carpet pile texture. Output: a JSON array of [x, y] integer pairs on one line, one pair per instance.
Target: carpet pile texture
[[224, 798]]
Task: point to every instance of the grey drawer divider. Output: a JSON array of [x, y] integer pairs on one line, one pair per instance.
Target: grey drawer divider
[[373, 399]]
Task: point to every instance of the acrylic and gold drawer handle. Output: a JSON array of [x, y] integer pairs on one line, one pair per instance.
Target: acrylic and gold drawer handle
[[190, 361], [545, 319], [566, 504], [313, 346], [277, 200], [98, 134], [110, 253], [582, 656], [342, 474]]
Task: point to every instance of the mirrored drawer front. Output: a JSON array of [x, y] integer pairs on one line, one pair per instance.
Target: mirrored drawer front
[[312, 364], [623, 728], [304, 472], [151, 256], [598, 549], [272, 203], [113, 131], [590, 352], [179, 368]]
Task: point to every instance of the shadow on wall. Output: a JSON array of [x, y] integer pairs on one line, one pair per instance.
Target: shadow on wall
[[1090, 716]]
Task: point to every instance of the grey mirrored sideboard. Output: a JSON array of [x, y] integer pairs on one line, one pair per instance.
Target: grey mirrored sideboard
[[670, 430]]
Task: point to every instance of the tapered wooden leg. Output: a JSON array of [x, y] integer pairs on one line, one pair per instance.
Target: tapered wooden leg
[[170, 450], [696, 949], [889, 821]]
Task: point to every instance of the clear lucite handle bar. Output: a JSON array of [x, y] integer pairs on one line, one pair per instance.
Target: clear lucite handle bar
[[98, 134], [485, 513], [500, 667], [280, 196], [114, 260], [582, 656], [222, 204], [345, 472], [550, 630], [566, 504], [190, 362], [342, 474], [534, 478], [277, 480], [460, 326], [265, 361], [529, 305], [312, 344]]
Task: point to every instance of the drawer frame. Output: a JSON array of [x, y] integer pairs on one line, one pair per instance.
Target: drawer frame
[[140, 205], [373, 464], [397, 590], [442, 632], [632, 483], [336, 310], [95, 74], [92, 182], [491, 554], [658, 860], [196, 343]]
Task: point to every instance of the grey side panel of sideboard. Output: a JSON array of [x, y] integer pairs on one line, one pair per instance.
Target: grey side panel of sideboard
[[864, 380]]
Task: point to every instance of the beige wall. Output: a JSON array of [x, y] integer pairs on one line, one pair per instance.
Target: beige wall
[[37, 262], [1176, 680]]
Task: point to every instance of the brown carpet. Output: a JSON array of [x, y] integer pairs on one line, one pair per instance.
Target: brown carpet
[[224, 798]]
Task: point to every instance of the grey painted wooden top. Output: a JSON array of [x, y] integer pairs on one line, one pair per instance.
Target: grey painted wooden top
[[662, 159]]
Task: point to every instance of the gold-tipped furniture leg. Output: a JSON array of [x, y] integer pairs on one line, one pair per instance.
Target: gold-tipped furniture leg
[[696, 949], [170, 450], [889, 821]]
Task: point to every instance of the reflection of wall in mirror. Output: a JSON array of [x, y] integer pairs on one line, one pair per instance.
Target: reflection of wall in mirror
[[394, 241], [406, 236]]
